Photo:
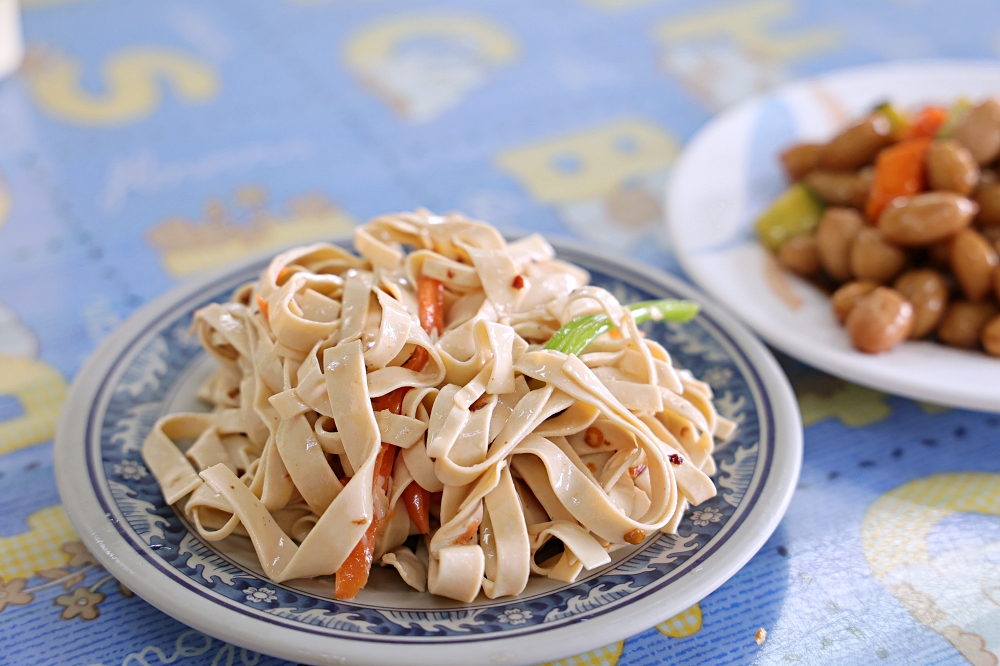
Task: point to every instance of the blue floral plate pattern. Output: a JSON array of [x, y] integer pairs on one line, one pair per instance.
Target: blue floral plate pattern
[[151, 366]]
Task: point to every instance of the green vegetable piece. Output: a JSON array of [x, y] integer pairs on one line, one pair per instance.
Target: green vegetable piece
[[795, 212], [897, 118], [956, 112], [574, 336]]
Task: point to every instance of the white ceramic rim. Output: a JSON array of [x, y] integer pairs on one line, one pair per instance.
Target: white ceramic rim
[[119, 557], [847, 364]]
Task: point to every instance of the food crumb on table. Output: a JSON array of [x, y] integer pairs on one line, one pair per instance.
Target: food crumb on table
[[760, 636]]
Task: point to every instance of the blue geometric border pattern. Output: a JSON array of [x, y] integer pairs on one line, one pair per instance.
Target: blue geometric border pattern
[[135, 393]]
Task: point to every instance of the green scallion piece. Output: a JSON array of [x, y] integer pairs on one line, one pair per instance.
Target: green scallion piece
[[795, 212], [574, 336], [956, 113]]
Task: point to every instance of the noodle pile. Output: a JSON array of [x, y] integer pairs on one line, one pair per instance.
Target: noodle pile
[[360, 400]]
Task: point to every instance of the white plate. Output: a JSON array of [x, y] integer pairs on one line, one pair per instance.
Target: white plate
[[729, 173], [150, 367]]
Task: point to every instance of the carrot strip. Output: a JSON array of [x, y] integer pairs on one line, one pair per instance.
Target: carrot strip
[[353, 573], [262, 304], [430, 304], [392, 401], [417, 360], [383, 465], [417, 501], [469, 532], [926, 122], [899, 172]]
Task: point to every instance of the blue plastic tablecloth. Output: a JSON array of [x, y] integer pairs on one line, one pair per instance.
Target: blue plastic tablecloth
[[145, 141]]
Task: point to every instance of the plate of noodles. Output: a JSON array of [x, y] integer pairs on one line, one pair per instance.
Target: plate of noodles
[[427, 441], [853, 221]]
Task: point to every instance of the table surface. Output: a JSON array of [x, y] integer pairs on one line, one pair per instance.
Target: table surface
[[142, 142]]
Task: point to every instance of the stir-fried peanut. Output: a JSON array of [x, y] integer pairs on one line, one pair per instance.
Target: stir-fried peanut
[[801, 255], [979, 131], [927, 292], [926, 218], [845, 298], [834, 237], [880, 321], [973, 261], [801, 159], [951, 167], [990, 337], [964, 322], [839, 188], [987, 195], [873, 258], [858, 145]]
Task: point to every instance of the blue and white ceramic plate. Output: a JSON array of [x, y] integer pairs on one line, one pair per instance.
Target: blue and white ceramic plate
[[150, 367], [729, 173]]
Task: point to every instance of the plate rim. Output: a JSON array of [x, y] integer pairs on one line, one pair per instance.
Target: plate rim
[[790, 342], [120, 558]]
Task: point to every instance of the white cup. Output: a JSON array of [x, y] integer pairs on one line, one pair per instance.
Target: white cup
[[11, 42]]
